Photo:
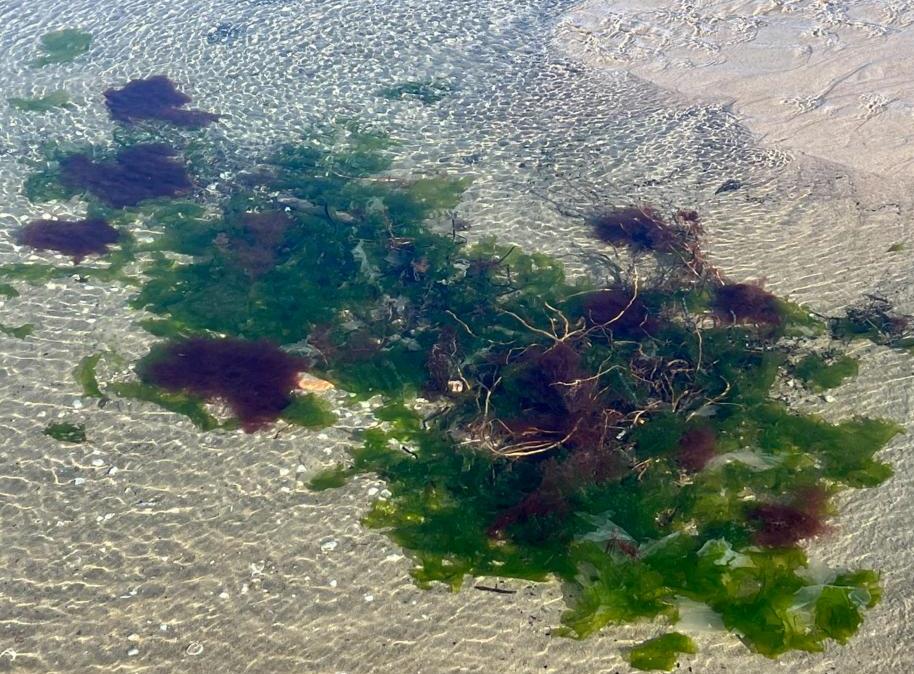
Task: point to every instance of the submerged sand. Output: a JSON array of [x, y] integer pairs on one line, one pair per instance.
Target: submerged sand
[[155, 548], [830, 79]]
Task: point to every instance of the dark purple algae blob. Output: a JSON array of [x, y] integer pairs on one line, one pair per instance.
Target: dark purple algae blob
[[137, 173], [256, 379], [77, 238], [154, 98]]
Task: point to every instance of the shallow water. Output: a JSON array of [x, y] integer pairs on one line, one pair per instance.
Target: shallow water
[[156, 548]]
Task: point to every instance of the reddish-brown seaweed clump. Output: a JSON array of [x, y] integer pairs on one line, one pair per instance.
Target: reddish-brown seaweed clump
[[256, 379], [780, 525], [555, 400], [617, 310], [746, 303], [77, 238], [137, 173], [154, 98], [640, 229], [561, 479], [696, 448]]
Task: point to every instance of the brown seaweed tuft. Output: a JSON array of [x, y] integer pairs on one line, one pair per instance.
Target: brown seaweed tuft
[[256, 245], [618, 310], [746, 303], [77, 238], [137, 173], [640, 229], [154, 98]]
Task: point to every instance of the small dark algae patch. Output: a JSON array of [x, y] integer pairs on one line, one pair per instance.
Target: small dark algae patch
[[66, 432], [137, 173], [154, 98], [78, 239]]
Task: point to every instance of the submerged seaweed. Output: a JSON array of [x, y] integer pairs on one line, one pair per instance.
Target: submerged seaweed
[[77, 239], [660, 652], [255, 378], [621, 439], [747, 303], [63, 46], [19, 332], [820, 373], [154, 98], [137, 173], [46, 103], [426, 92], [640, 229], [66, 432]]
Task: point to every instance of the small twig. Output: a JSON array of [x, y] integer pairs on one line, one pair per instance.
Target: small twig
[[496, 590]]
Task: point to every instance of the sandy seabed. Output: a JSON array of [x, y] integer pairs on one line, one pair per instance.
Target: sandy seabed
[[154, 548]]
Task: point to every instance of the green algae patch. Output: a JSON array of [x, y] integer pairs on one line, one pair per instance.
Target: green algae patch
[[66, 432], [309, 411], [8, 291], [180, 403], [661, 652], [84, 374], [331, 478], [53, 101], [19, 332], [62, 46], [821, 374], [876, 320], [46, 185], [427, 92]]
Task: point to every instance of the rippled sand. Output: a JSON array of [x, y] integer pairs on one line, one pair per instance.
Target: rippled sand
[[830, 79], [154, 548]]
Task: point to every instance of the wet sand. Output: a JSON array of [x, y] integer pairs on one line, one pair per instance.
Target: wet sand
[[831, 80]]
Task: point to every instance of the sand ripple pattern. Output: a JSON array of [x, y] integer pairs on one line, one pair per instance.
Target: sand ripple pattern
[[831, 79]]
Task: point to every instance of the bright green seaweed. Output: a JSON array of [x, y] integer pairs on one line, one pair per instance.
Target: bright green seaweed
[[46, 103], [820, 373], [660, 652], [63, 46], [66, 432]]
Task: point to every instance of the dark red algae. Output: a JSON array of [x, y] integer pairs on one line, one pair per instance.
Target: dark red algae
[[617, 310], [139, 172], [76, 238], [746, 303], [256, 379], [779, 526], [154, 98], [640, 229], [696, 449]]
